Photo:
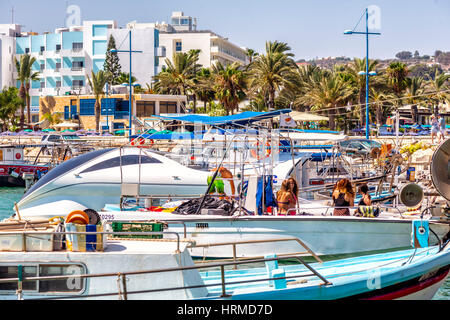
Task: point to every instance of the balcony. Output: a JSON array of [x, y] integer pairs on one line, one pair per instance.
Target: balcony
[[73, 53], [72, 71]]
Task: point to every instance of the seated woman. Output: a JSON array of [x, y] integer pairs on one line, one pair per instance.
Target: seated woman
[[285, 198], [366, 200], [343, 196]]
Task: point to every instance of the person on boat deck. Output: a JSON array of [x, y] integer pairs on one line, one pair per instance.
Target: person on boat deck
[[434, 128], [285, 198], [293, 187], [442, 127], [366, 200], [343, 196]]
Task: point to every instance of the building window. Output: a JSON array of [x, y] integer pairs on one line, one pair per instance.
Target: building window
[[77, 84], [77, 46], [27, 50], [42, 66], [57, 66], [42, 49], [167, 107], [58, 48], [58, 83], [178, 46], [184, 22], [77, 65], [87, 107], [35, 118], [145, 108]]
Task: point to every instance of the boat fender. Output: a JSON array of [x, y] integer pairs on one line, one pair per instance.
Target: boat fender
[[94, 217]]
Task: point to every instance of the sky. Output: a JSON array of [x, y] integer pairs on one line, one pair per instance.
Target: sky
[[312, 28]]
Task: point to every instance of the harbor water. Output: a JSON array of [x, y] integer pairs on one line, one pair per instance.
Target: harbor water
[[9, 196]]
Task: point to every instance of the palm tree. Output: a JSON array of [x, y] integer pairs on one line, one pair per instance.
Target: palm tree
[[438, 87], [124, 77], [25, 75], [9, 103], [270, 72], [229, 85], [203, 86], [177, 76], [413, 93], [97, 83], [359, 82], [397, 73], [378, 99], [251, 54], [329, 95]]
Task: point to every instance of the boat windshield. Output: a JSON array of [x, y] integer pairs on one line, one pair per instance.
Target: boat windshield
[[65, 167]]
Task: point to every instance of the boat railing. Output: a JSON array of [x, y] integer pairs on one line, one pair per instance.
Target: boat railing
[[300, 211], [234, 245], [30, 234], [123, 278]]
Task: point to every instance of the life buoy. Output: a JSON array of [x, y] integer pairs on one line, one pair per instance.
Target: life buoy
[[254, 150], [77, 216], [18, 156], [133, 142]]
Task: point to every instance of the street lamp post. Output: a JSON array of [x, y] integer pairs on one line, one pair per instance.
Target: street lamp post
[[131, 86], [367, 73]]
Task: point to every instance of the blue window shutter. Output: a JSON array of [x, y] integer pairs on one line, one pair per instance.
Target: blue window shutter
[[66, 113], [87, 107]]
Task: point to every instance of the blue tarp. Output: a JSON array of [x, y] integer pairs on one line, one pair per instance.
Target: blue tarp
[[240, 118]]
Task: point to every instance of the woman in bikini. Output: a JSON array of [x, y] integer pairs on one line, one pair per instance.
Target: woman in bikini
[[285, 198], [343, 196]]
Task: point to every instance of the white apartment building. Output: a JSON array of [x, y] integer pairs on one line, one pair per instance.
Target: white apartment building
[[65, 58], [181, 35]]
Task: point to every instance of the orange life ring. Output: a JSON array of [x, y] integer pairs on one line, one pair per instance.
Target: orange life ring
[[77, 216], [254, 152]]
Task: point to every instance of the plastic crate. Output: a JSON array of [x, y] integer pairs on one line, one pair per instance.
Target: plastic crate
[[119, 226]]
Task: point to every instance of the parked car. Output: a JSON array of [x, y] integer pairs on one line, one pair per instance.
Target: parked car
[[57, 139], [358, 146]]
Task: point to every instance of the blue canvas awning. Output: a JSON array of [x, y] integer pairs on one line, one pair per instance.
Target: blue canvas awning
[[240, 118]]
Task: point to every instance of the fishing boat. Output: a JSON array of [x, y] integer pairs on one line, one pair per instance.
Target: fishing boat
[[158, 269], [15, 169]]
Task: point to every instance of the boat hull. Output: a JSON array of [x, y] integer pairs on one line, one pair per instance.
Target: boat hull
[[324, 235]]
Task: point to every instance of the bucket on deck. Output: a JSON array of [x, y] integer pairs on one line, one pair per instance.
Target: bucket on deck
[[411, 174]]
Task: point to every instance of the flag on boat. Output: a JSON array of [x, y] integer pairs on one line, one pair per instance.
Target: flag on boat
[[287, 121]]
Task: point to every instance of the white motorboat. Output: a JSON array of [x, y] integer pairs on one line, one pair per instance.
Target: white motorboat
[[131, 269]]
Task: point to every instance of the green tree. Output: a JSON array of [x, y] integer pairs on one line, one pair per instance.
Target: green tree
[[439, 87], [54, 118], [25, 75], [97, 83], [124, 77], [10, 102], [112, 65], [229, 85], [203, 87], [177, 76], [397, 73], [358, 82], [329, 94], [271, 71]]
